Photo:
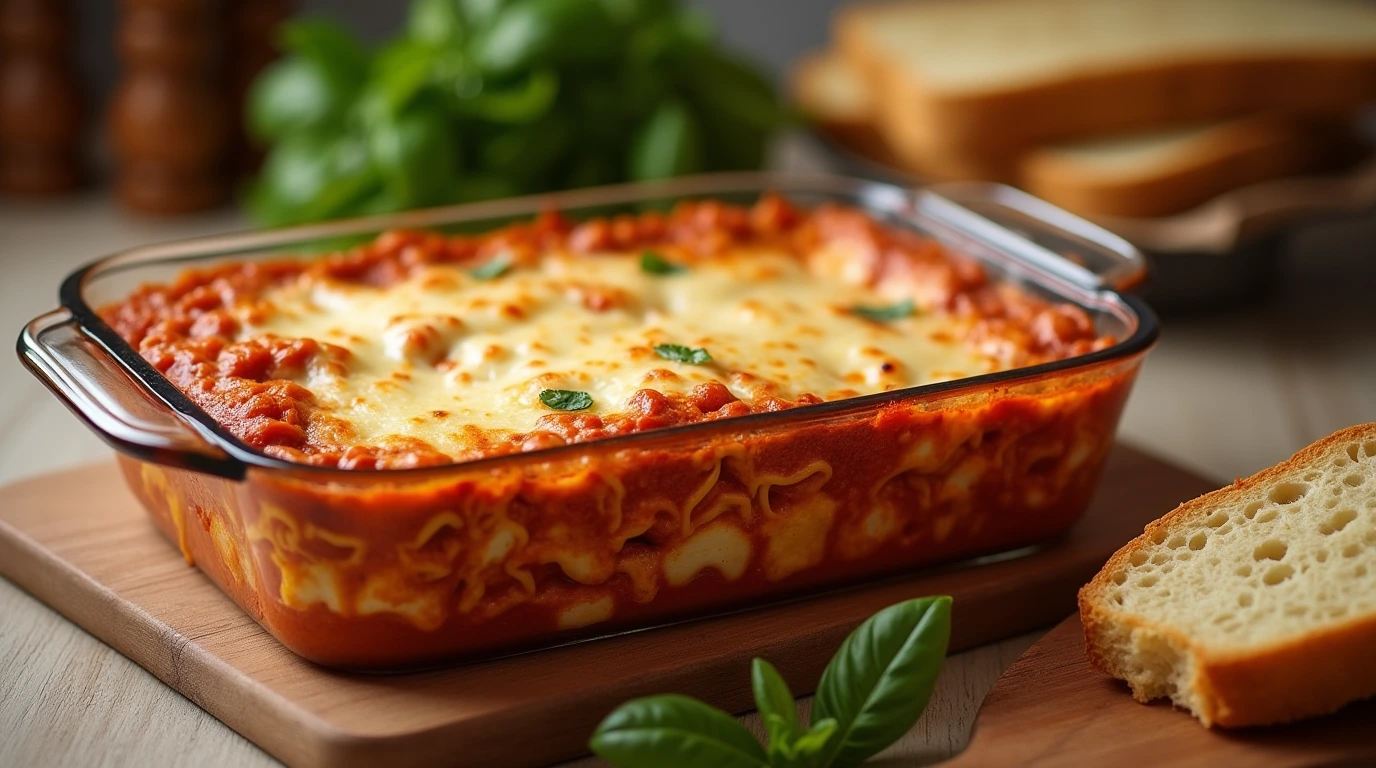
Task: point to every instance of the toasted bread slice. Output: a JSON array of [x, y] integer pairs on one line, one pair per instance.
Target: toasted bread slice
[[838, 100], [980, 80], [1159, 173], [1141, 175], [1253, 604]]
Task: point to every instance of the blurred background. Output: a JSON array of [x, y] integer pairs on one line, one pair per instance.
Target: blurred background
[[290, 111], [775, 32]]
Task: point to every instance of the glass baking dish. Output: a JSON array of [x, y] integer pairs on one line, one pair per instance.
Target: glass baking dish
[[374, 569]]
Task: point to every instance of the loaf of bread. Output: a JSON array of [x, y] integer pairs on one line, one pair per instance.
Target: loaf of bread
[[980, 81], [1253, 604]]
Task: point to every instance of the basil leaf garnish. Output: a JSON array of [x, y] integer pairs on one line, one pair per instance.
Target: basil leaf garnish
[[777, 708], [872, 692], [681, 354], [675, 732], [565, 399], [652, 263], [884, 314], [879, 681], [814, 740], [491, 269]]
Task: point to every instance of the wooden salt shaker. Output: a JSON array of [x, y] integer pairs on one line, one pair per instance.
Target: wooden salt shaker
[[40, 100], [169, 122]]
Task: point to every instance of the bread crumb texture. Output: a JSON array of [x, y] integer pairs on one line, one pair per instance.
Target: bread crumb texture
[[1274, 559]]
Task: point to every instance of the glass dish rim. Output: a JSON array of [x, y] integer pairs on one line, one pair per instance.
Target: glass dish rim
[[246, 458]]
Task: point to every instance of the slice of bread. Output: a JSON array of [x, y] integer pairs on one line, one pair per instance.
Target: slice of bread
[[1159, 173], [1143, 175], [838, 100], [1255, 603], [975, 80]]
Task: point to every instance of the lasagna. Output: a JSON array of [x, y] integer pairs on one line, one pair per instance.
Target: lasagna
[[424, 349], [420, 349]]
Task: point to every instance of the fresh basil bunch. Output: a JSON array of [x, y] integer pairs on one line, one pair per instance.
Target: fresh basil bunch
[[484, 98], [871, 693]]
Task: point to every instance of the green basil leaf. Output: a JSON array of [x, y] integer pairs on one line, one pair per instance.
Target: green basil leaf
[[771, 692], [481, 13], [667, 144], [533, 33], [790, 746], [309, 177], [327, 43], [675, 732], [879, 682], [896, 311], [525, 102], [437, 22], [416, 153], [528, 153], [722, 84], [814, 740], [566, 399], [695, 25], [652, 263], [493, 269], [681, 354], [780, 734], [777, 709], [400, 71], [295, 94]]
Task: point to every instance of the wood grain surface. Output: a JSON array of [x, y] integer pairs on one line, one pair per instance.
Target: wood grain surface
[[1052, 710], [78, 541]]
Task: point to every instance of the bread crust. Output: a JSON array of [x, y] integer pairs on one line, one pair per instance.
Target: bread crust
[[996, 125], [1303, 677]]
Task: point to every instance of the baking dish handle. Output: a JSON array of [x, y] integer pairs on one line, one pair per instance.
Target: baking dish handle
[[1036, 232], [122, 412]]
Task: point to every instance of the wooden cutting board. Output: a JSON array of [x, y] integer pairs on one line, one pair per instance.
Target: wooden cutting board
[[1051, 709], [79, 542]]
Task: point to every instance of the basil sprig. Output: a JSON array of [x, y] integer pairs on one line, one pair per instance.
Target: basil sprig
[[652, 263], [491, 269], [475, 99], [871, 693], [896, 311], [566, 399], [681, 354]]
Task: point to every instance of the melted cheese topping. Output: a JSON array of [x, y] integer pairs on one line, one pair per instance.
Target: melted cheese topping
[[443, 353]]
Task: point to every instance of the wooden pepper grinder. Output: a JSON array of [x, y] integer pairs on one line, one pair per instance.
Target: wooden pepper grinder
[[169, 121], [252, 45], [40, 101]]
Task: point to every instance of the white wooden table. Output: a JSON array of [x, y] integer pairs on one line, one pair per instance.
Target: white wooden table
[[1224, 395]]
